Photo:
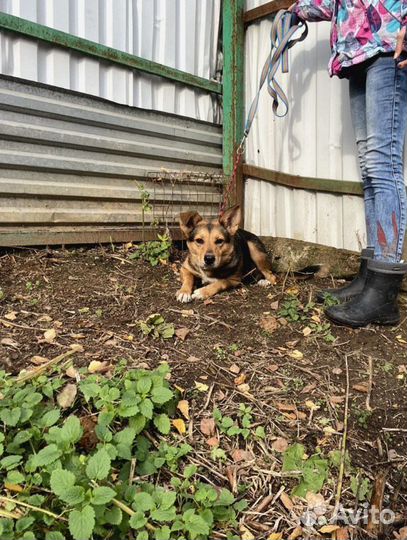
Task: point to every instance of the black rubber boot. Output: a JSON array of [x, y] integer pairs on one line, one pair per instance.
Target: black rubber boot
[[355, 287], [377, 303]]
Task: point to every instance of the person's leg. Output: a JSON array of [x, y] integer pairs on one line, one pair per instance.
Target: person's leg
[[357, 96], [386, 116]]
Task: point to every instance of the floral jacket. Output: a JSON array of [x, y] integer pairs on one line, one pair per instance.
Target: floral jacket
[[359, 29]]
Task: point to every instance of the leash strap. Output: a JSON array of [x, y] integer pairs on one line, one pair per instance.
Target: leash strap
[[282, 31], [285, 25]]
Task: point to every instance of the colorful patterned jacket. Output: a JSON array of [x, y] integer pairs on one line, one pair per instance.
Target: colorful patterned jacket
[[359, 29]]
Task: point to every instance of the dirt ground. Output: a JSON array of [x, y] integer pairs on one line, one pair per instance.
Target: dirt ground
[[292, 374]]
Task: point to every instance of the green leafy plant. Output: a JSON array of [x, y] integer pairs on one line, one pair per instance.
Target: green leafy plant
[[312, 471], [295, 312], [154, 252], [132, 477], [241, 425], [330, 300], [156, 327]]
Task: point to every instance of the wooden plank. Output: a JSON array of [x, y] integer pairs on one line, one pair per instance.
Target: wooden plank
[[340, 187], [265, 10], [31, 236]]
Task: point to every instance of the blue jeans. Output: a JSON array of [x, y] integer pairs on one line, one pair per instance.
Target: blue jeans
[[378, 98]]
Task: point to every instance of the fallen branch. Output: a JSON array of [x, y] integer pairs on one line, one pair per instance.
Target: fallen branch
[[343, 445], [36, 372]]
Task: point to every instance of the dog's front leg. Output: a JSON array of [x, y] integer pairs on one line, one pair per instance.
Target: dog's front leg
[[214, 288], [184, 294]]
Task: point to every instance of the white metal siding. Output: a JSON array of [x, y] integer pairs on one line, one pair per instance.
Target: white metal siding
[[71, 166], [315, 139], [179, 33]]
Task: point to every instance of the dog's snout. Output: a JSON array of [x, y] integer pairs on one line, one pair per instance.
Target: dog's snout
[[209, 259]]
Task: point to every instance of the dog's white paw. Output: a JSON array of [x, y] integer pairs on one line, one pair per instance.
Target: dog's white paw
[[197, 294], [184, 297], [264, 283]]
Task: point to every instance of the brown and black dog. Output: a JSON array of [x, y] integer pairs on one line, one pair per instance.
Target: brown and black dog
[[220, 255]]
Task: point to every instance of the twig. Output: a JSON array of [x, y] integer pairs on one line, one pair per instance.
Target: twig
[[36, 372], [369, 390], [343, 445], [31, 507]]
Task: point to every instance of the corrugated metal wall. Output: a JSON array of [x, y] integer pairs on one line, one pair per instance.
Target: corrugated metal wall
[[178, 33], [315, 139], [69, 166]]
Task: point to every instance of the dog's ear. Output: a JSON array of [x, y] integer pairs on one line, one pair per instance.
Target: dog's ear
[[188, 221], [231, 219]]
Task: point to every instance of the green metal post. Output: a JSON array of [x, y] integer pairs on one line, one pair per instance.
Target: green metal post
[[233, 81]]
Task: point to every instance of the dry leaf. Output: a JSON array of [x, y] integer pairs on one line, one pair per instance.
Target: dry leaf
[[38, 360], [245, 388], [272, 367], [67, 395], [235, 369], [245, 534], [96, 366], [402, 534], [297, 532], [316, 501], [274, 305], [187, 312], [72, 373], [213, 441], [208, 426], [183, 406], [280, 444], [327, 529], [11, 315], [362, 387], [306, 331], [308, 388], [10, 342], [336, 400], [50, 335], [76, 347], [311, 405], [286, 407], [45, 318], [343, 534], [201, 387], [293, 291], [400, 339], [182, 333], [275, 536], [241, 379], [297, 355], [269, 324], [239, 455], [179, 425], [337, 371], [13, 487], [287, 502]]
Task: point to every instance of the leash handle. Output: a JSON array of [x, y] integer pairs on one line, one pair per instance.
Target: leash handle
[[281, 34], [284, 26]]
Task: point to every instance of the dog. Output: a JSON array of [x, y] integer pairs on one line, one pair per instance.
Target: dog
[[221, 256]]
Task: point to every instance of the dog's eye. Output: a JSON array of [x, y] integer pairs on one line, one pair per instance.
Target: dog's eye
[[219, 241], [199, 241]]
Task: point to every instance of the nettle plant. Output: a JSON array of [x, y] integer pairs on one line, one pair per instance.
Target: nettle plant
[[122, 477]]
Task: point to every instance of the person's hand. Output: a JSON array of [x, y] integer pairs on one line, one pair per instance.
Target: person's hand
[[401, 36]]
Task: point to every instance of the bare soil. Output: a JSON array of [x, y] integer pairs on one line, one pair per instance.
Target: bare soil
[[294, 382]]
